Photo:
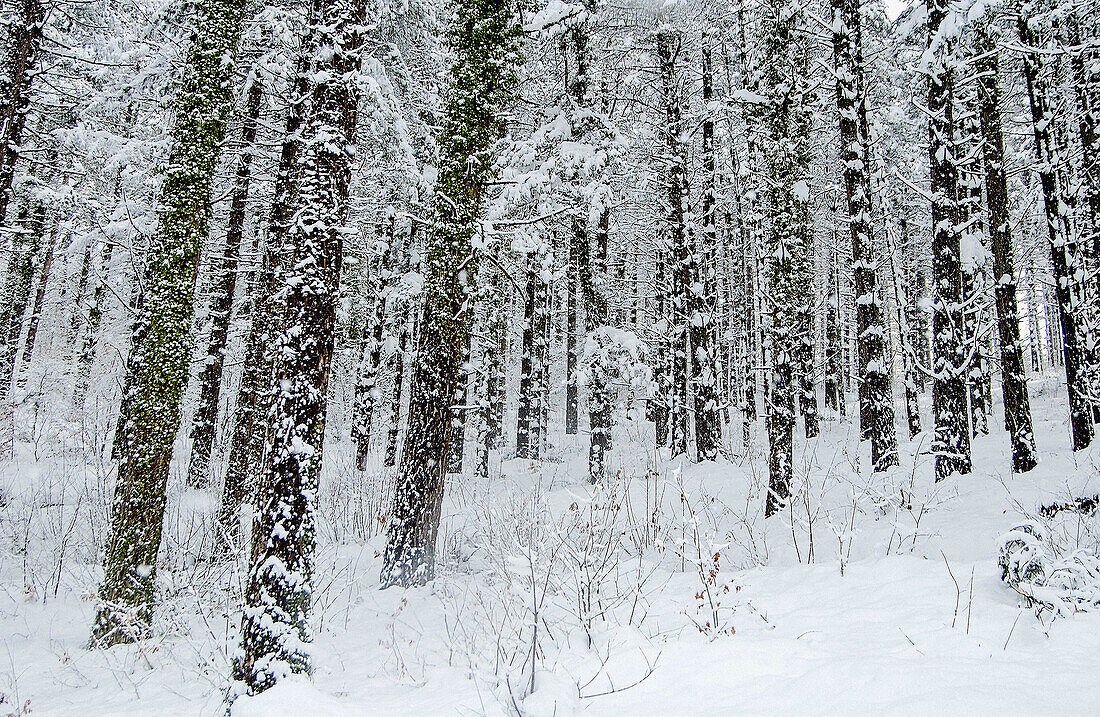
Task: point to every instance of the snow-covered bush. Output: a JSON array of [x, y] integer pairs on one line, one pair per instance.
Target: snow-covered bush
[[1048, 569]]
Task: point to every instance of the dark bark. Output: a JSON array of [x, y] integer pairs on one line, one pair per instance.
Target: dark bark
[[876, 400], [484, 36], [210, 379], [251, 424], [394, 429], [36, 310], [367, 391], [703, 295], [951, 440], [24, 42], [676, 190], [1065, 252], [275, 627]]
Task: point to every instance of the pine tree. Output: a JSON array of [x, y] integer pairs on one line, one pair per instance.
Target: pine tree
[[951, 440], [786, 121], [1066, 258], [876, 400], [484, 37], [275, 628], [157, 369], [708, 431]]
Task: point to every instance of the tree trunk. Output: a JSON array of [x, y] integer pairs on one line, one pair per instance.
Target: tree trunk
[[485, 38], [21, 58], [157, 369], [951, 440], [876, 400], [708, 430], [210, 380], [275, 628], [251, 424], [1065, 254], [393, 432], [676, 188], [367, 392], [36, 311], [13, 304]]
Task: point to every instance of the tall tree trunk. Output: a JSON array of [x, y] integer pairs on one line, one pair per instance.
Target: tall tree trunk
[[36, 310], [210, 380], [785, 121], [708, 430], [393, 432], [527, 440], [16, 77], [251, 425], [951, 440], [1065, 253], [275, 627], [876, 400], [13, 304], [676, 188], [157, 369], [484, 37], [367, 391]]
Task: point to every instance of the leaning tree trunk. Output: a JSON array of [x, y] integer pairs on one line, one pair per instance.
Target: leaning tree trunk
[[36, 310], [20, 60], [275, 627], [951, 440], [158, 365], [1065, 254], [876, 400], [484, 37], [210, 380]]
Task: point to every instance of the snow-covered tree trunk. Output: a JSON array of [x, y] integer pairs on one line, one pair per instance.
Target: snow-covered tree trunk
[[676, 190], [251, 425], [951, 440], [786, 122], [708, 430], [210, 378], [13, 304], [484, 37], [275, 627], [24, 41], [527, 421], [876, 399], [39, 299], [157, 368], [1065, 253], [394, 429], [367, 391]]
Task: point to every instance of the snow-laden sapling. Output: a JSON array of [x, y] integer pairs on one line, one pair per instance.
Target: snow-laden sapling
[[1047, 576]]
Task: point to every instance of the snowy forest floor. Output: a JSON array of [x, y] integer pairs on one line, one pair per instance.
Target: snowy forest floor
[[871, 594]]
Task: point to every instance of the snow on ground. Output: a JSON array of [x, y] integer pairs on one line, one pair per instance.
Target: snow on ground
[[870, 595]]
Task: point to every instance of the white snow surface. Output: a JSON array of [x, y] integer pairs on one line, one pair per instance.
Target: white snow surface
[[901, 611]]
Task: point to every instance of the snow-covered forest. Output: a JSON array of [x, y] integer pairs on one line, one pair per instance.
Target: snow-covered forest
[[548, 357]]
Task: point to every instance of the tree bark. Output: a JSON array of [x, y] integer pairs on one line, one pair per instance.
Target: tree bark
[[157, 369], [210, 380], [951, 440]]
